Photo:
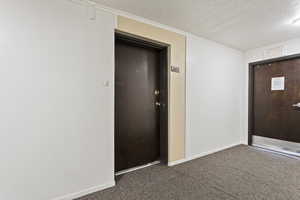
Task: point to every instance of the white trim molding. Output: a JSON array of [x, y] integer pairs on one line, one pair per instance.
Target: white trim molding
[[170, 164], [177, 162], [86, 192]]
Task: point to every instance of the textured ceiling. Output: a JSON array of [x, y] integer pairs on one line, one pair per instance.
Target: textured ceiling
[[242, 24]]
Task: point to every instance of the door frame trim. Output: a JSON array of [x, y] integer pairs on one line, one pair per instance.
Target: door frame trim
[[160, 46], [251, 89]]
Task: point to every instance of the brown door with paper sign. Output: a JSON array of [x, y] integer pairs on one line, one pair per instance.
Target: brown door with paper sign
[[276, 100]]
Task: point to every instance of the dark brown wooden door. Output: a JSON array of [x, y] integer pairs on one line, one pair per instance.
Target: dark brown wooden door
[[137, 127], [274, 114]]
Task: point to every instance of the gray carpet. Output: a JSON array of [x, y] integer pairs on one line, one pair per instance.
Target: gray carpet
[[241, 173]]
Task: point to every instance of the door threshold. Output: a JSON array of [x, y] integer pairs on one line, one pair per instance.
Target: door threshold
[[281, 146], [136, 168], [276, 151]]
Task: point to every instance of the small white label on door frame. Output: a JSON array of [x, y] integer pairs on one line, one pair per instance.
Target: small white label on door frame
[[278, 83]]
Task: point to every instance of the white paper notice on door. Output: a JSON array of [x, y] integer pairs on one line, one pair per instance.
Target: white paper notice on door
[[278, 83]]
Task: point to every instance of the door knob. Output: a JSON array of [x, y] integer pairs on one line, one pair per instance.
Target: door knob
[[157, 104], [156, 92], [297, 105]]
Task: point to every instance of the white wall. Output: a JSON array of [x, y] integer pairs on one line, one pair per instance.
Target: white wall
[[56, 116], [285, 48], [214, 96]]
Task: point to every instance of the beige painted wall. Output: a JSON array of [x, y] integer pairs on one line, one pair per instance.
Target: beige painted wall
[[177, 82]]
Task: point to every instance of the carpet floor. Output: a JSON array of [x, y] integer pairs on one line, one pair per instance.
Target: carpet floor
[[241, 173]]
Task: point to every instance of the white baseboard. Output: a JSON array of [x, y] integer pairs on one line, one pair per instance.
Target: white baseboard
[[86, 192], [177, 162], [109, 185]]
